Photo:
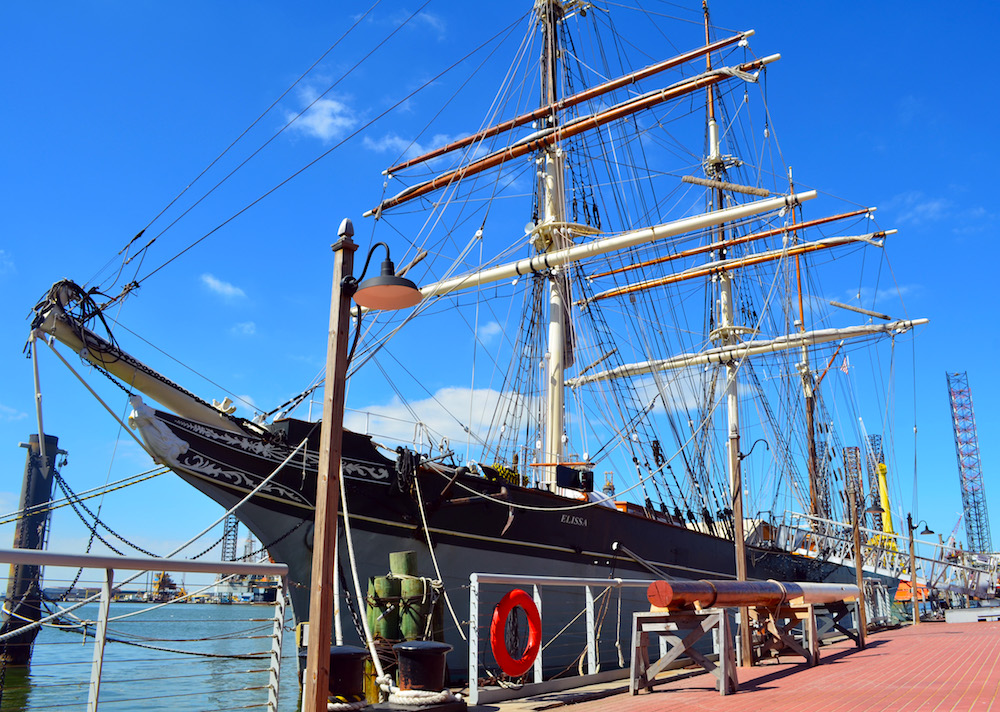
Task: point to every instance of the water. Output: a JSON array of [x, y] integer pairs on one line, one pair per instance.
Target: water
[[156, 678]]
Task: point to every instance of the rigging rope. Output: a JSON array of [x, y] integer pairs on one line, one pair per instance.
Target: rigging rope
[[358, 20], [316, 160]]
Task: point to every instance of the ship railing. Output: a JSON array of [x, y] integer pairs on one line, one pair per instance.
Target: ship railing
[[945, 570], [407, 432], [256, 687], [829, 540], [586, 629]]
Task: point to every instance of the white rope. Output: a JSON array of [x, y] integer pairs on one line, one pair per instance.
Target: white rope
[[346, 706], [437, 569], [618, 631], [54, 504], [91, 599], [38, 399], [414, 698], [369, 640], [180, 599], [99, 400]]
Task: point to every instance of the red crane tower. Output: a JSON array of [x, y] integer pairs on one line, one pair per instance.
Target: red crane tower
[[970, 471]]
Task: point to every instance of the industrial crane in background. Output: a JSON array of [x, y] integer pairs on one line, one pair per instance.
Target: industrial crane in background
[[230, 537], [970, 471]]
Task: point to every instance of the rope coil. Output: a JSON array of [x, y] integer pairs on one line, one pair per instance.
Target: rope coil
[[348, 703], [414, 698]]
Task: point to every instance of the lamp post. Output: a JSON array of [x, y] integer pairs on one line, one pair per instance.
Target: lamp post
[[858, 572], [859, 562], [739, 542], [384, 292], [913, 565]]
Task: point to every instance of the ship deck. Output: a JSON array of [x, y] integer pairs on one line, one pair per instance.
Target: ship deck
[[934, 666]]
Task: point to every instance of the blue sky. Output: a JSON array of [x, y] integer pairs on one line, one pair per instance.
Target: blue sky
[[112, 108]]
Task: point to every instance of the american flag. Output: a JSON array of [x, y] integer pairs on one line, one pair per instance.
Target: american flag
[[844, 366]]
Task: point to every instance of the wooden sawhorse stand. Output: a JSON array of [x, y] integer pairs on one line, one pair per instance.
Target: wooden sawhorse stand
[[836, 611], [776, 624], [681, 630]]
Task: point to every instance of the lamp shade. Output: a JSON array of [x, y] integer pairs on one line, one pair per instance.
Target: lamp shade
[[387, 291]]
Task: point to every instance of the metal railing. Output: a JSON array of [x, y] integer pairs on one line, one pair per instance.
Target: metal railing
[[108, 565], [593, 589], [831, 540]]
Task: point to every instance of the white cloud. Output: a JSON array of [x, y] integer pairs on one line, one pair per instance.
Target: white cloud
[[887, 298], [422, 22], [397, 146], [393, 143], [488, 332], [9, 415], [915, 208], [443, 415], [225, 289], [977, 220], [6, 264], [680, 390], [246, 406], [327, 118], [432, 22], [245, 328]]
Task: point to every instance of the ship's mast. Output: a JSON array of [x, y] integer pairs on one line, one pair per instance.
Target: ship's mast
[[727, 334], [552, 238], [808, 390]]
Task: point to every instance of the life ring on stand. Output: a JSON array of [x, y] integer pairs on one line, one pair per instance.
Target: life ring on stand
[[515, 599]]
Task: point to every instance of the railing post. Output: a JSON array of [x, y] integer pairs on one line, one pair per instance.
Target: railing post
[[537, 671], [99, 639], [474, 639], [277, 637], [591, 633]]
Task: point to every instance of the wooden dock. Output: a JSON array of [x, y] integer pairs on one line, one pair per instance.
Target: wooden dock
[[934, 666]]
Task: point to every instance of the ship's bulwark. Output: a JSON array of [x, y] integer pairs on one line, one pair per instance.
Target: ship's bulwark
[[510, 530]]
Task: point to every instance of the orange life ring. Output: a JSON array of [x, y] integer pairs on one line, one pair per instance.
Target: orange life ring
[[515, 599]]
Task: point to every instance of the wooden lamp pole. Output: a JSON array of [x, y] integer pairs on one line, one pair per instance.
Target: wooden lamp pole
[[384, 292], [858, 571], [317, 678]]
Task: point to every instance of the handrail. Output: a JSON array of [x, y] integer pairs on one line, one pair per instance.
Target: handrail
[[940, 573], [33, 557], [109, 564], [476, 694]]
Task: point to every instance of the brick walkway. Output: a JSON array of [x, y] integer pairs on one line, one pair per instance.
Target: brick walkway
[[937, 666]]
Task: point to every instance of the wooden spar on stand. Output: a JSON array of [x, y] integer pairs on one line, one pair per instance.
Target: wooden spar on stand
[[708, 594], [684, 611]]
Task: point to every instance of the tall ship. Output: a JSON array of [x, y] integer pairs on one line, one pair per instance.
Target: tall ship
[[620, 263]]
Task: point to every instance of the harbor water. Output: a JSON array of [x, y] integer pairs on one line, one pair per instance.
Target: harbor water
[[180, 657]]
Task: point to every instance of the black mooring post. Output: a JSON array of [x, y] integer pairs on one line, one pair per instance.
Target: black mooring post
[[23, 603]]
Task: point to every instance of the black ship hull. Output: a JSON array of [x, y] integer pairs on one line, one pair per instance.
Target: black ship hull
[[474, 524]]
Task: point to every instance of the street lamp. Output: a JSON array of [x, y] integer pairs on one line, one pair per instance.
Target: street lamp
[[913, 566], [859, 563], [384, 292]]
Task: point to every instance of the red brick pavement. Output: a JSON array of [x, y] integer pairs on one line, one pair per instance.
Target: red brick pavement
[[935, 667]]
